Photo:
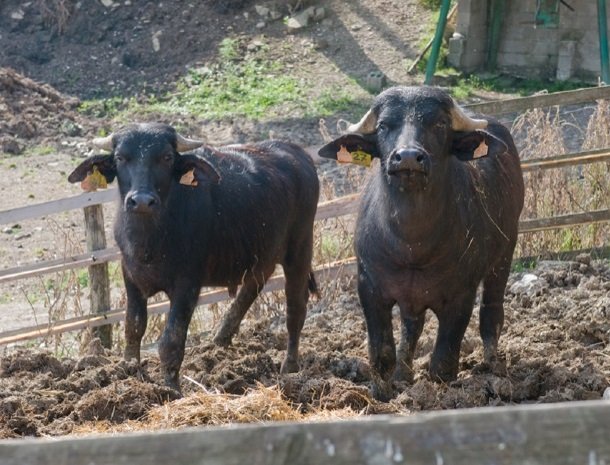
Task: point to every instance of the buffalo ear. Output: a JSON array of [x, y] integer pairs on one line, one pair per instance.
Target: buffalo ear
[[191, 170], [476, 144], [104, 164], [351, 148]]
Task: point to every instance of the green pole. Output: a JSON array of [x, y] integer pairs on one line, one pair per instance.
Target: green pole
[[438, 39], [496, 16], [603, 40]]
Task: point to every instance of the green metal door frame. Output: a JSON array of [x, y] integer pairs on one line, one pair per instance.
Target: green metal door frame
[[437, 41], [603, 40]]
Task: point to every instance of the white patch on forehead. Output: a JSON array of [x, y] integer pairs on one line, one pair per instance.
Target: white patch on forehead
[[144, 149]]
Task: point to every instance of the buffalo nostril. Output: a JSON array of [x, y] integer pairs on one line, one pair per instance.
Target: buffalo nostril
[[397, 156], [141, 202], [420, 158]]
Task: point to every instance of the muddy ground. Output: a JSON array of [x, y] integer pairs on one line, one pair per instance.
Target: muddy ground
[[556, 347]]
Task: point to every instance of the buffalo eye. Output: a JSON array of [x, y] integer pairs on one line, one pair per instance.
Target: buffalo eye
[[382, 127], [168, 158], [119, 158]]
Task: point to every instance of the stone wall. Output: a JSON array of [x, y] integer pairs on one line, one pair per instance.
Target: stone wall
[[570, 50]]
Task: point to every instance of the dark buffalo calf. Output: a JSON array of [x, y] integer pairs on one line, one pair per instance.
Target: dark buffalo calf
[[439, 217], [210, 217]]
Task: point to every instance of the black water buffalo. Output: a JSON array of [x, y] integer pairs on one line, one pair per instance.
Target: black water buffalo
[[209, 217], [438, 218]]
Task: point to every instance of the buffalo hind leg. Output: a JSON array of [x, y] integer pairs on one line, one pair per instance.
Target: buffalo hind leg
[[491, 313], [452, 324], [297, 295], [382, 350], [299, 281], [135, 319], [173, 339], [247, 293], [411, 330]]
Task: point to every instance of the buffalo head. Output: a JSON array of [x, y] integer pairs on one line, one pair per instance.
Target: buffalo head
[[416, 132], [146, 160]]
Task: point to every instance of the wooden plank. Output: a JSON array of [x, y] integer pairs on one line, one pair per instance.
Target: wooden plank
[[562, 221], [324, 273], [62, 264], [333, 208], [341, 205], [565, 433], [569, 159], [56, 206], [99, 282], [569, 97], [338, 207]]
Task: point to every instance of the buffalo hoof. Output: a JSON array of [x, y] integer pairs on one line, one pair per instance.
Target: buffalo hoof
[[172, 381], [404, 373], [289, 366], [443, 376], [132, 353], [495, 367], [222, 340], [382, 391]]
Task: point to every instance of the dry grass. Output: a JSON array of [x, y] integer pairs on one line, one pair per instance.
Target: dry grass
[[205, 408], [564, 190]]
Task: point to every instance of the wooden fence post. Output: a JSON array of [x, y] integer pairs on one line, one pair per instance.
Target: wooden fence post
[[99, 283]]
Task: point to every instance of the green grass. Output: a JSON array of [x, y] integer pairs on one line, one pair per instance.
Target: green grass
[[430, 4], [104, 108], [253, 88], [39, 150], [464, 87], [240, 83], [520, 265]]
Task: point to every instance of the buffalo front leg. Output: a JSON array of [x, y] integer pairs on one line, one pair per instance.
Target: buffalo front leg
[[173, 339], [411, 330], [491, 313], [232, 319], [452, 323], [382, 350], [135, 319]]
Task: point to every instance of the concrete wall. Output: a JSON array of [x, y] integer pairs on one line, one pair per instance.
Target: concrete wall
[[570, 50]]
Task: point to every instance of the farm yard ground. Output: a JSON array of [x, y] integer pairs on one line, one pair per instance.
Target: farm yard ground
[[554, 347], [556, 342]]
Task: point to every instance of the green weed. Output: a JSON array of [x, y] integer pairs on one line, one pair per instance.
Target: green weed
[[39, 150], [104, 108], [240, 83]]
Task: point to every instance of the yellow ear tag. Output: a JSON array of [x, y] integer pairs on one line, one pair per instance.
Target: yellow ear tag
[[357, 157], [361, 158], [94, 181], [188, 178], [481, 150]]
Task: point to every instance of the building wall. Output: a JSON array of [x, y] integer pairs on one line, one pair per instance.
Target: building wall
[[570, 50]]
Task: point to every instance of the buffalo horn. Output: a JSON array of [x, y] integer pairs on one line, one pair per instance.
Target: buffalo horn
[[184, 145], [460, 121], [104, 143], [366, 125]]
